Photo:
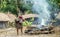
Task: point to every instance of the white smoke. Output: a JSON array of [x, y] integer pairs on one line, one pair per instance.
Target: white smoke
[[41, 8]]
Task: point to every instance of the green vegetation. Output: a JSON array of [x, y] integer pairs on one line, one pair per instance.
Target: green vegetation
[[14, 6], [28, 23]]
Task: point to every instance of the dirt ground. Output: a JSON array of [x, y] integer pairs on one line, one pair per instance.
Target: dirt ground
[[12, 33]]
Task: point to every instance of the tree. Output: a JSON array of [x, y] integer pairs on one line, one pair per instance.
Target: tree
[[8, 5]]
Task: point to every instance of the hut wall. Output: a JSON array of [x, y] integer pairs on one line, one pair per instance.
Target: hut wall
[[3, 24]]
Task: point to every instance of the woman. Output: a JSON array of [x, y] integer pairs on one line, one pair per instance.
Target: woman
[[19, 24]]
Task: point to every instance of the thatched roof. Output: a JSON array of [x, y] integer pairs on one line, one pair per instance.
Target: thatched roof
[[11, 17], [4, 17], [7, 17], [29, 15]]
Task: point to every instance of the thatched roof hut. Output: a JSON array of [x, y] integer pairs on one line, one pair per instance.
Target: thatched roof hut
[[3, 20]]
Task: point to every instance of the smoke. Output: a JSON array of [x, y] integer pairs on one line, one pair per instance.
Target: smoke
[[40, 7]]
